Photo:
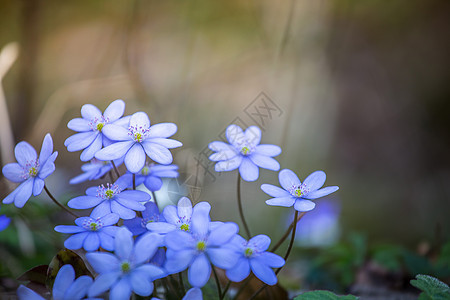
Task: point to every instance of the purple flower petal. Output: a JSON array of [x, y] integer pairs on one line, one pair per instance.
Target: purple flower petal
[[106, 241], [124, 212], [222, 257], [48, 168], [79, 124], [168, 143], [153, 183], [222, 234], [121, 290], [235, 135], [93, 148], [92, 242], [199, 271], [24, 153], [24, 293], [240, 271], [248, 170], [274, 191], [150, 271], [124, 243], [253, 135], [160, 227], [268, 150], [304, 205], [135, 158], [184, 208], [218, 146], [114, 151], [288, 179], [140, 119], [321, 193], [158, 153], [260, 242], [135, 196], [178, 240], [69, 229], [193, 294], [24, 191], [229, 165], [13, 172], [79, 288], [84, 202], [281, 201], [63, 280], [109, 219], [46, 149], [146, 247], [89, 112], [263, 272], [315, 180], [116, 132], [140, 284], [115, 110], [178, 261], [81, 140], [270, 259], [104, 281], [162, 130], [265, 162], [76, 241]]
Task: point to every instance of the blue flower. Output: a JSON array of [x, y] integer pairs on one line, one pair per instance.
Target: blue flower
[[91, 233], [244, 152], [196, 250], [65, 287], [94, 170], [295, 193], [138, 140], [29, 170], [151, 214], [4, 222], [90, 135], [111, 199], [126, 270], [253, 256], [178, 217], [150, 175]]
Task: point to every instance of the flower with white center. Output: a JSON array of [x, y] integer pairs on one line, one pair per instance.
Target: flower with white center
[[127, 270], [30, 170], [91, 233], [90, 135], [296, 193], [139, 140], [244, 152]]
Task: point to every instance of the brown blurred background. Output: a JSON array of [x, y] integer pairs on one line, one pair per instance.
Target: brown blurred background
[[362, 87]]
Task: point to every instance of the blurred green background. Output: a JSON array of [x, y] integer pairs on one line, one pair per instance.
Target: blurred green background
[[362, 91]]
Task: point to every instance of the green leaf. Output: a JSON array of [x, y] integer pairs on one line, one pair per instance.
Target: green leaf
[[431, 288], [323, 295]]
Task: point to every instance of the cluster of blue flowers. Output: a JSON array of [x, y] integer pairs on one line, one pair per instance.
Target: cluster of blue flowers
[[129, 241]]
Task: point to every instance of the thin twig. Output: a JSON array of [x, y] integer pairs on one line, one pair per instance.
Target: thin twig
[[286, 234], [225, 290], [134, 181], [241, 211], [219, 290], [59, 204], [115, 169]]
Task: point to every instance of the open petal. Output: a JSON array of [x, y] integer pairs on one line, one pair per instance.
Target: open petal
[[38, 186], [223, 155], [315, 180], [304, 205], [153, 183], [151, 271], [222, 234], [103, 282], [253, 135], [24, 293], [158, 153], [248, 170], [178, 240], [200, 223], [240, 271], [24, 191], [170, 213], [270, 259], [102, 209], [109, 219], [223, 258], [114, 151], [115, 110], [140, 119], [288, 179], [168, 143], [268, 150], [260, 242], [116, 132], [140, 284], [13, 172], [90, 112], [193, 294], [46, 149], [106, 241], [93, 148], [160, 227], [135, 158], [84, 202], [281, 201], [79, 124], [321, 193], [184, 208], [75, 241], [24, 153], [124, 212], [274, 191], [235, 135], [228, 165], [162, 130], [218, 146], [103, 262], [199, 271], [121, 290], [10, 198], [69, 229], [146, 247], [124, 243], [263, 272], [92, 242], [179, 261], [47, 169], [79, 288], [63, 280], [81, 140], [135, 196], [265, 162]]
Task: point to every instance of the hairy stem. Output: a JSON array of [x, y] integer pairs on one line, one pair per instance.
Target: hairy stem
[[59, 204], [241, 211]]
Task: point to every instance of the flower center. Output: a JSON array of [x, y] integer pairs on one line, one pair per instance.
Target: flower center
[[184, 227], [299, 190], [92, 225], [201, 246], [246, 148], [31, 169], [100, 126], [139, 134], [145, 170], [108, 192], [125, 267], [248, 252], [97, 124]]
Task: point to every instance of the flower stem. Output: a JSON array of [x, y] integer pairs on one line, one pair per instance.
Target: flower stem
[[241, 211], [225, 290], [291, 243], [115, 169], [134, 181], [286, 234], [59, 204], [219, 290], [154, 199]]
